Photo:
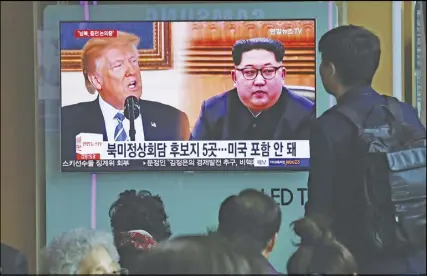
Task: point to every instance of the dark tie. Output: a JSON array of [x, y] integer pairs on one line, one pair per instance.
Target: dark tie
[[120, 133]]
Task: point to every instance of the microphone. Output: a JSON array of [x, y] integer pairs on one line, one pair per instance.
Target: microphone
[[131, 113]]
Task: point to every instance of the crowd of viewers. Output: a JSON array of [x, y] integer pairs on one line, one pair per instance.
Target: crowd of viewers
[[331, 234], [248, 224]]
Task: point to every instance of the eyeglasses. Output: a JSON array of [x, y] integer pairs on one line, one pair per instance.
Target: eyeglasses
[[267, 73]]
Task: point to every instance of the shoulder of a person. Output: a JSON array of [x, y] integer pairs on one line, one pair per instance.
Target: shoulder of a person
[[329, 116], [8, 250], [72, 115], [216, 106], [218, 100], [410, 115], [299, 100], [76, 108], [408, 109], [331, 122]]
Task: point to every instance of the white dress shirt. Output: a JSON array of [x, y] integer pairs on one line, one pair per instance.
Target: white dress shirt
[[108, 112]]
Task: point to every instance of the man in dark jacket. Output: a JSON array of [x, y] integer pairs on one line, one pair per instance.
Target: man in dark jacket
[[350, 58], [259, 107]]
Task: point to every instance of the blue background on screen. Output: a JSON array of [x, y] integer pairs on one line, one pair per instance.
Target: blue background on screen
[[70, 42], [192, 200]]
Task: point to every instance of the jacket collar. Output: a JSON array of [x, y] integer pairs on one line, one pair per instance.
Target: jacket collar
[[356, 92]]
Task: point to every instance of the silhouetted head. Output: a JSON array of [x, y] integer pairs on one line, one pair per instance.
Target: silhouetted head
[[250, 220], [318, 251], [140, 211], [350, 58], [197, 254]]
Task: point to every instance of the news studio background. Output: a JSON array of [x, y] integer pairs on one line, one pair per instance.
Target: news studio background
[[183, 73]]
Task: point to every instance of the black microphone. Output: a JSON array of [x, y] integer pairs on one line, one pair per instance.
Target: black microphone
[[131, 113]]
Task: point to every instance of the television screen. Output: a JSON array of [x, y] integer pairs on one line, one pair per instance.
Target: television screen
[[188, 96]]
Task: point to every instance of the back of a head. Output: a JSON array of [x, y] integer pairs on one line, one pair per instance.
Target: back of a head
[[354, 51], [140, 211], [66, 252], [318, 251], [249, 219], [195, 255]]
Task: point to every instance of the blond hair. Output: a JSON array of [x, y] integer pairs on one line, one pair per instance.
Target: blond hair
[[96, 46]]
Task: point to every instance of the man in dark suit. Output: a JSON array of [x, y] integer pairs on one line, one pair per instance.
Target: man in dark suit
[[350, 58], [12, 261], [259, 107], [110, 66]]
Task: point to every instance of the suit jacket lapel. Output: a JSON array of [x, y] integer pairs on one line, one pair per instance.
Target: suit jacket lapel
[[290, 119], [232, 125], [151, 130], [95, 121]]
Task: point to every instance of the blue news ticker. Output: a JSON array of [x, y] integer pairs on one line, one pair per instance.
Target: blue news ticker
[[289, 162]]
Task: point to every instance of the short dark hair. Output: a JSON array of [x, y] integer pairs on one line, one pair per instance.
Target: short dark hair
[[140, 211], [318, 251], [249, 220], [197, 254], [354, 51], [258, 43]]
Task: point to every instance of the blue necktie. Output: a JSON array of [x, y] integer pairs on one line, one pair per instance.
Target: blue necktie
[[120, 133]]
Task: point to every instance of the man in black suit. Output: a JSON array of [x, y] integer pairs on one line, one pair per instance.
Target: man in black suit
[[259, 107], [110, 66], [12, 261], [350, 58]]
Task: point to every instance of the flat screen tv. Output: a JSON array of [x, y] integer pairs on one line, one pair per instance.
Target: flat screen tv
[[187, 96]]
